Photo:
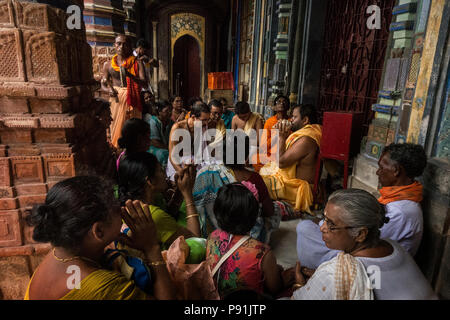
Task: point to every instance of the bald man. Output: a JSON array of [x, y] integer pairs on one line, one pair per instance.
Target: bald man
[[123, 79]]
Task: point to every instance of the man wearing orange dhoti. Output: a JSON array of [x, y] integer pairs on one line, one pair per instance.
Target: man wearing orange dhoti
[[123, 79], [291, 179]]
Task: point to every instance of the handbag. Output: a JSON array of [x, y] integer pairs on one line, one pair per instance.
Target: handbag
[[229, 253]]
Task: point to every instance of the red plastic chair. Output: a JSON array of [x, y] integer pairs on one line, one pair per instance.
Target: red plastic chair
[[341, 136]]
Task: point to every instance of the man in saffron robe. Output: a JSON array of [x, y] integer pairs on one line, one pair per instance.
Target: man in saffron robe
[[124, 77], [291, 179]]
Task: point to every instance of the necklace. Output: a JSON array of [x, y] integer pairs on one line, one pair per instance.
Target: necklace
[[64, 260]]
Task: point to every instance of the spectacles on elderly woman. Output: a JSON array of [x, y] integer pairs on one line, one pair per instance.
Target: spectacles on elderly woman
[[329, 225]]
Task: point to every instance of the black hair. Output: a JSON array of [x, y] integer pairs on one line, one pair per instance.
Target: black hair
[[198, 108], [142, 43], [134, 170], [236, 209], [172, 98], [132, 129], [193, 100], [223, 99], [288, 105], [242, 107], [71, 207], [215, 103], [160, 105], [235, 141], [411, 157], [307, 110]]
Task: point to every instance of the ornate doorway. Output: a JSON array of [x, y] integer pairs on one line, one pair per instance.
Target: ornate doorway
[[186, 68]]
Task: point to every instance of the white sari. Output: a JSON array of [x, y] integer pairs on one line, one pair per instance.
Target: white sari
[[342, 278]]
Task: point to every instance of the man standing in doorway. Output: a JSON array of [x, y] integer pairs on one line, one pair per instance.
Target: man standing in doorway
[[123, 79]]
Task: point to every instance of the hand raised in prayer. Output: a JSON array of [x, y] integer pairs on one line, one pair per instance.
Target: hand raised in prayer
[[185, 179], [143, 234], [285, 128]]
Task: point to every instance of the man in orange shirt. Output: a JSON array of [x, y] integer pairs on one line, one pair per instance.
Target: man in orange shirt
[[281, 108]]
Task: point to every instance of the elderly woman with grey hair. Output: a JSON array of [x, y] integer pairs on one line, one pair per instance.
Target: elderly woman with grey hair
[[351, 224]]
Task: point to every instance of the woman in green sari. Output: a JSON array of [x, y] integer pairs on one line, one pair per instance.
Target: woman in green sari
[[80, 218]]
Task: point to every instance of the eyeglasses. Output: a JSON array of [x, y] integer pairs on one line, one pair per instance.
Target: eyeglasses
[[331, 227]]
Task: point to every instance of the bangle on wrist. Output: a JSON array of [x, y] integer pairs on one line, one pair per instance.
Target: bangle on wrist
[[190, 204], [192, 216], [297, 286], [157, 263]]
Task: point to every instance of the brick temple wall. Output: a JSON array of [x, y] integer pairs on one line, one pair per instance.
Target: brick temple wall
[[51, 127]]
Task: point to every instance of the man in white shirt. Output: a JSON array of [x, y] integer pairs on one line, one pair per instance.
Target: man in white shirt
[[400, 193]]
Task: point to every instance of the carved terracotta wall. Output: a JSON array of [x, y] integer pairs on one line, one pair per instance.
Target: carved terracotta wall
[[51, 128]]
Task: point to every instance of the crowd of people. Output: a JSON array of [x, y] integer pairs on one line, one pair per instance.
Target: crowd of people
[[162, 227]]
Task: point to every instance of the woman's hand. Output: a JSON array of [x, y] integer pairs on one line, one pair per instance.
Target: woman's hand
[[307, 272], [288, 277], [143, 230], [299, 277], [186, 179]]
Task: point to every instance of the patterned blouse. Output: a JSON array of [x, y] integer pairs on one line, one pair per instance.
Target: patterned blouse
[[243, 268]]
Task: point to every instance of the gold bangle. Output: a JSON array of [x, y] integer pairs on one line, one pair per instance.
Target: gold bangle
[[297, 286], [191, 216], [157, 263], [190, 204]]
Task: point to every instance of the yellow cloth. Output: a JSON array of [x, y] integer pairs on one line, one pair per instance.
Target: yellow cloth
[[165, 224], [120, 112], [127, 64], [103, 285], [282, 183], [220, 127]]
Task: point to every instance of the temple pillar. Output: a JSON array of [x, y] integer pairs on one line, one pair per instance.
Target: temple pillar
[[295, 74], [278, 84], [155, 56], [51, 127]]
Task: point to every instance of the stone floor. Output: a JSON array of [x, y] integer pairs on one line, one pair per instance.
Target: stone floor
[[284, 243], [284, 240]]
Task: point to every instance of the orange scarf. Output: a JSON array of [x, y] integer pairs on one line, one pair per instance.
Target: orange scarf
[[133, 88], [411, 192]]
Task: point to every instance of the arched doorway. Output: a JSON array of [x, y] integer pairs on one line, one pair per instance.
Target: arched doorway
[[186, 68]]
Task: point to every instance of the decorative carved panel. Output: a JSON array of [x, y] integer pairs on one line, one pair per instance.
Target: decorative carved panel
[[27, 170], [10, 234], [353, 56], [47, 57], [11, 58]]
